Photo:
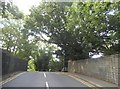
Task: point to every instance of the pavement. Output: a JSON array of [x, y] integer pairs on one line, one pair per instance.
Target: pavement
[[95, 82], [48, 80]]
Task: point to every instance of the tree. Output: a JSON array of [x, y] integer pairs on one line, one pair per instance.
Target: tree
[[55, 65], [10, 35], [16, 39], [31, 65], [78, 30], [49, 19], [13, 32], [9, 10], [43, 59], [95, 25]]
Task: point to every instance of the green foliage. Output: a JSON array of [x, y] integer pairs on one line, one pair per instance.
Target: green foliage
[[31, 65], [55, 65], [9, 10], [42, 60], [76, 28], [96, 25], [10, 34], [50, 19], [15, 39]]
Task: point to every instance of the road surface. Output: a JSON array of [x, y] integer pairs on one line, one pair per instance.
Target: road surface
[[45, 80]]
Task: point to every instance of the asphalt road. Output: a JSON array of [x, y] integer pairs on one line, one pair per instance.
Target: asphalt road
[[43, 79]]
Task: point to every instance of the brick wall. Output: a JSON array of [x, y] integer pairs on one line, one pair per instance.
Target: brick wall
[[105, 68]]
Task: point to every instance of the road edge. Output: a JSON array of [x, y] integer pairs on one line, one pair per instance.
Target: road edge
[[88, 83], [11, 78]]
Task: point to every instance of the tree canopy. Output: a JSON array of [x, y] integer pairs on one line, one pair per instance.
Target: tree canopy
[[77, 28]]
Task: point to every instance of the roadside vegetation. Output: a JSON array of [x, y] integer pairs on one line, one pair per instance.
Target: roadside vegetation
[[54, 32]]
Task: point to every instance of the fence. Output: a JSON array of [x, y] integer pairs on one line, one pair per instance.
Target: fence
[[12, 64]]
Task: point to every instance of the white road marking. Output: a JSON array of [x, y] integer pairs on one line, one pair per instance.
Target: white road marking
[[46, 84], [84, 82], [92, 83], [89, 85], [10, 79], [44, 75]]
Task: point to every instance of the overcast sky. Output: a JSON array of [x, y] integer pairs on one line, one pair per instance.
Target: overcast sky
[[25, 5]]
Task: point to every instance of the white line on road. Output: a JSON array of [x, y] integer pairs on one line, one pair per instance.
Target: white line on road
[[44, 75], [86, 83], [46, 84]]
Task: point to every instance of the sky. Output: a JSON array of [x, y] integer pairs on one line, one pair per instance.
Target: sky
[[25, 5]]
